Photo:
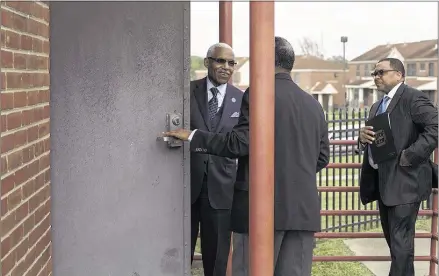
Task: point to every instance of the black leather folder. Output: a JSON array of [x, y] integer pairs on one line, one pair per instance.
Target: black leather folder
[[383, 148]]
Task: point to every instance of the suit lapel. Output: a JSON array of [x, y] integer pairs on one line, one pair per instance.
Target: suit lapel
[[373, 109], [228, 109], [393, 102], [396, 98], [200, 94]]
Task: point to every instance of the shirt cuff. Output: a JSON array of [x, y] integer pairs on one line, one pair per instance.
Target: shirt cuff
[[191, 135]]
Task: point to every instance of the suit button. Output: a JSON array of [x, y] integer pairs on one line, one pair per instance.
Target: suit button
[[205, 162]]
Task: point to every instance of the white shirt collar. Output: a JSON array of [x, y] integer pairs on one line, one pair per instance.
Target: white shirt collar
[[221, 88], [393, 91]]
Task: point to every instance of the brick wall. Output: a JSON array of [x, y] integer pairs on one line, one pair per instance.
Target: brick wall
[[25, 139]]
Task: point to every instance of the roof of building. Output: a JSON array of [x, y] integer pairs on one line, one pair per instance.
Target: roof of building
[[416, 83], [409, 50], [316, 63], [320, 86]]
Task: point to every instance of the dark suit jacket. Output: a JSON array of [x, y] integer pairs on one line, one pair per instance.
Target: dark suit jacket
[[301, 150], [221, 170], [414, 123]]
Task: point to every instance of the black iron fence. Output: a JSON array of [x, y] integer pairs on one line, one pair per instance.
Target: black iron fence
[[345, 125]]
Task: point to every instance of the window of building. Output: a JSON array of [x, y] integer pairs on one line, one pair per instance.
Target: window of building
[[422, 66], [366, 70], [431, 69], [358, 71], [411, 69]]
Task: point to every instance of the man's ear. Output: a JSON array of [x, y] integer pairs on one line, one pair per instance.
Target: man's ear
[[206, 62]]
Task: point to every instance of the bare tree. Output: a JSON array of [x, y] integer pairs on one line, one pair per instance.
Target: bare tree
[[310, 47], [337, 59]]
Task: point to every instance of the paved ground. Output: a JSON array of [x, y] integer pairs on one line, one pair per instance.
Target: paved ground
[[378, 247]]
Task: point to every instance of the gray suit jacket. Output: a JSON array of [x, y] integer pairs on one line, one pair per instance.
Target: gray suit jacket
[[221, 171], [414, 123], [301, 150]]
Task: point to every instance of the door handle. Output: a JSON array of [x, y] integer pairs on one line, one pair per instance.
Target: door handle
[[174, 121]]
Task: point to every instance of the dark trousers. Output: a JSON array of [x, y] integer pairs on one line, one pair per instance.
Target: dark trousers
[[398, 223], [214, 226], [292, 253]]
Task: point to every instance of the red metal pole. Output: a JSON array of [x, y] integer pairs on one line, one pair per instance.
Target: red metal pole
[[226, 33], [261, 138], [225, 22]]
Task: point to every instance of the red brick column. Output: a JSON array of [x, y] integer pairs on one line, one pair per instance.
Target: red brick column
[[25, 139]]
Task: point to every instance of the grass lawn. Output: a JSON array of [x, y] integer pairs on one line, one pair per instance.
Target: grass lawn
[[343, 201], [336, 247]]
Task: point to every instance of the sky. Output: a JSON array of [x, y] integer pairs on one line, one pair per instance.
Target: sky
[[366, 24]]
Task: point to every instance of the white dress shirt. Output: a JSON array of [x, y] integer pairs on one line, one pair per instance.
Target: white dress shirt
[[390, 95], [220, 96]]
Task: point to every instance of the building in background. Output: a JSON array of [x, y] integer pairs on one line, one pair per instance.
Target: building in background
[[319, 77], [324, 78], [420, 61]]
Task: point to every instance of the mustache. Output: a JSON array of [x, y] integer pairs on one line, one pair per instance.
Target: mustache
[[224, 72]]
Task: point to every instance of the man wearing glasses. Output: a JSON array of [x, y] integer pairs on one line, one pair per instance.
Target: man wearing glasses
[[402, 183], [301, 151], [215, 107]]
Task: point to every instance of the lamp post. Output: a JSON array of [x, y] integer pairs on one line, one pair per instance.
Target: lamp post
[[343, 40]]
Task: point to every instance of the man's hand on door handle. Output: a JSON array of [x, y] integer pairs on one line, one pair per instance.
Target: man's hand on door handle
[[181, 134]]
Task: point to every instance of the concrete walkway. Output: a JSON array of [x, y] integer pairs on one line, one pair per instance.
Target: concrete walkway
[[378, 247]]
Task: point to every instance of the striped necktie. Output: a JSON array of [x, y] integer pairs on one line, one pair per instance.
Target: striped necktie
[[213, 103]]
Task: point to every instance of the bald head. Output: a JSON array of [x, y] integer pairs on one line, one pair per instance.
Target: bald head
[[212, 49]]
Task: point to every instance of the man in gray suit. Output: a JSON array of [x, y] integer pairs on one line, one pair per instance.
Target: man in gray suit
[[403, 182], [214, 107], [301, 150]]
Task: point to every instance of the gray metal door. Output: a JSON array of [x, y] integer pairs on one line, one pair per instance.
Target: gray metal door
[[120, 198]]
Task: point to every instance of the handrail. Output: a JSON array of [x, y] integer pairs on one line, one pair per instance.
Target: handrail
[[433, 213]]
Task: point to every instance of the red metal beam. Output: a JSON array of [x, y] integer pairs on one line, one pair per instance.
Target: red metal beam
[[262, 138], [364, 235], [359, 259], [338, 189], [348, 189], [367, 259], [343, 142], [367, 212], [344, 166]]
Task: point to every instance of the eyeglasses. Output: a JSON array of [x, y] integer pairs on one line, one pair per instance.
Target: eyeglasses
[[222, 61], [381, 72]]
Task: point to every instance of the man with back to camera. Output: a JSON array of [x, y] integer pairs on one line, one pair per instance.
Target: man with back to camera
[[402, 183], [214, 107], [301, 150]]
